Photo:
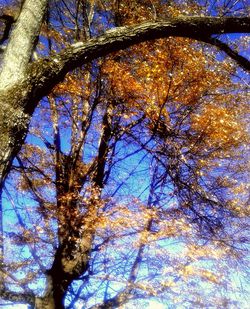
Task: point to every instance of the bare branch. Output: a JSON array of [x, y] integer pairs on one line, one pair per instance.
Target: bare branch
[[242, 61], [21, 298]]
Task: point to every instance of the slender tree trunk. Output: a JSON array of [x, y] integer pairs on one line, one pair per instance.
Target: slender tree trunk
[[47, 301]]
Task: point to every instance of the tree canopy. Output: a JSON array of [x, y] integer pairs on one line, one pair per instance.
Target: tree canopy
[[132, 182]]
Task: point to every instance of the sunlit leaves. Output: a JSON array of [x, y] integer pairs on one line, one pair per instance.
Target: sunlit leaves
[[219, 126], [134, 175]]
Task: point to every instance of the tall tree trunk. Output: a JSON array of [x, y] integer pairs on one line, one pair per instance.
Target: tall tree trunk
[[14, 120], [13, 127], [21, 44]]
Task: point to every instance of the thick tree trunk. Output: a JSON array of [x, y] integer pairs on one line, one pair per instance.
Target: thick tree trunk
[[13, 125], [21, 44], [14, 119], [14, 122], [63, 272]]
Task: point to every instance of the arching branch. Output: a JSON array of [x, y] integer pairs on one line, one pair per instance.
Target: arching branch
[[42, 75], [46, 73]]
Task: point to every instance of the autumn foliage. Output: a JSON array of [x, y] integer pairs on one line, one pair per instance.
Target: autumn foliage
[[132, 184]]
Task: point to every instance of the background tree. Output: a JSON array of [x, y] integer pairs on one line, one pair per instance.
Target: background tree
[[166, 115]]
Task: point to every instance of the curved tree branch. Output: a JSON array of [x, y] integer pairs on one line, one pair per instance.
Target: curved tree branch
[[18, 101], [199, 28], [45, 73]]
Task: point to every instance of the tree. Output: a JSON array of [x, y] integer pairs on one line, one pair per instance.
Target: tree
[[122, 100], [39, 77]]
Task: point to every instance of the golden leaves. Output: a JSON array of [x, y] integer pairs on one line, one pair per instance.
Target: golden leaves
[[218, 125], [122, 82], [74, 85]]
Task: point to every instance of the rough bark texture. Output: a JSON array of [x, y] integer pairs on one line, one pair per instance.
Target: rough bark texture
[[21, 44], [45, 302], [16, 109], [14, 119]]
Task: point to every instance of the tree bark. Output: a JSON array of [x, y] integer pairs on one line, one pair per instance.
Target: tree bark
[[23, 84], [18, 102], [45, 303], [21, 44], [14, 120]]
